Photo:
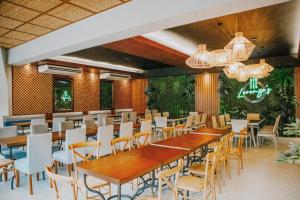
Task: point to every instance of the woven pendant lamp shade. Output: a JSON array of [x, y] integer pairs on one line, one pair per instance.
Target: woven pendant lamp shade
[[221, 57], [240, 47], [201, 58]]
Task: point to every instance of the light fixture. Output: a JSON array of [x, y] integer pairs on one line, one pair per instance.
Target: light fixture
[[221, 57], [201, 58], [243, 72], [239, 47]]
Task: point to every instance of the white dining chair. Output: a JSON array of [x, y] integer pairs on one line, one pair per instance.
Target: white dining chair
[[193, 113], [105, 135], [166, 114], [146, 127], [126, 129], [38, 157], [269, 131], [133, 116], [102, 118], [63, 126], [65, 156], [238, 125], [124, 117], [55, 123], [189, 123], [160, 123], [37, 121], [203, 120], [39, 128], [8, 131], [197, 121]]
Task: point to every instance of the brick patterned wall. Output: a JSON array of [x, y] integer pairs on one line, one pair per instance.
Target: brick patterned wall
[[122, 94], [86, 91], [31, 91]]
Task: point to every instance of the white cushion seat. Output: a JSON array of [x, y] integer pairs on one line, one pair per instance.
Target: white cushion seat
[[61, 157], [92, 182], [190, 183], [21, 164]]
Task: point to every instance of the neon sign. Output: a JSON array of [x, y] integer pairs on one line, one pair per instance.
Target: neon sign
[[254, 91]]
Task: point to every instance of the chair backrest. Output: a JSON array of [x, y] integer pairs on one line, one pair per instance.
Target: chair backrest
[[120, 144], [161, 122], [238, 125], [180, 129], [55, 179], [39, 152], [214, 121], [89, 123], [168, 132], [63, 126], [243, 134], [275, 128], [55, 123], [142, 139], [204, 118], [227, 117], [37, 121], [148, 116], [105, 135], [126, 129], [164, 178], [102, 118], [8, 131], [222, 120], [74, 136], [189, 121], [146, 126], [197, 119], [87, 117], [154, 111], [124, 117], [165, 114], [210, 166], [193, 113], [39, 128], [109, 121], [147, 111], [253, 116], [91, 148], [132, 116]]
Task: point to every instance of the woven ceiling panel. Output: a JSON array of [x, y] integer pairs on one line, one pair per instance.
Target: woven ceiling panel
[[9, 23], [3, 30], [70, 12], [10, 41], [17, 12], [20, 35], [33, 29], [96, 5], [6, 45], [49, 21], [39, 5]]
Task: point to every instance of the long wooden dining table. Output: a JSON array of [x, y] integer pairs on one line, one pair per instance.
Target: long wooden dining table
[[21, 140], [126, 166]]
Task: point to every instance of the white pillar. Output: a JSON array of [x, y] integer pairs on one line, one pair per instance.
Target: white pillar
[[5, 86]]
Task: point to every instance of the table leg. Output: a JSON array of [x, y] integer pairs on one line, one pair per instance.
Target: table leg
[[10, 153], [252, 135], [119, 191], [91, 190]]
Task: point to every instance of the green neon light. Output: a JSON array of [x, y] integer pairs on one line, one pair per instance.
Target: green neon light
[[255, 88]]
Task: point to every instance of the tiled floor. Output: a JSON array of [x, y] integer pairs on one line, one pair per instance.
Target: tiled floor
[[260, 180]]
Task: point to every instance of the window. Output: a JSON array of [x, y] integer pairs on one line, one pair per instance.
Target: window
[[106, 94], [63, 95]]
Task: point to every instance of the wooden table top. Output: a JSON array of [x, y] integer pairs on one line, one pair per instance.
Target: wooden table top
[[220, 132], [27, 124], [126, 166], [189, 142], [21, 140]]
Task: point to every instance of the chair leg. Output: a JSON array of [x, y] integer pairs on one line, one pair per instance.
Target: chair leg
[[239, 166], [38, 176], [242, 162], [246, 143], [17, 178], [69, 166], [30, 184], [56, 167], [257, 141], [275, 142]]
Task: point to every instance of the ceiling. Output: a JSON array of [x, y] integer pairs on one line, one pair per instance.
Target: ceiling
[[275, 31], [25, 20]]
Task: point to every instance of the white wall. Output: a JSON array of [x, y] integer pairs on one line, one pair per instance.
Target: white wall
[[5, 86]]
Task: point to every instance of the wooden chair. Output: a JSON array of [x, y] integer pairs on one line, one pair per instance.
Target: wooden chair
[[83, 152], [65, 125], [164, 179], [54, 179], [205, 184], [197, 121], [214, 122], [120, 144], [165, 114], [238, 125], [203, 120], [269, 131], [189, 123], [223, 122], [237, 153], [180, 129], [148, 116], [142, 139], [168, 132], [227, 118], [253, 116]]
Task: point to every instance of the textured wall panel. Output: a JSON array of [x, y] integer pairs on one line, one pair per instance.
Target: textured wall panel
[[206, 94], [86, 91], [31, 91], [122, 94], [297, 90], [139, 99]]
